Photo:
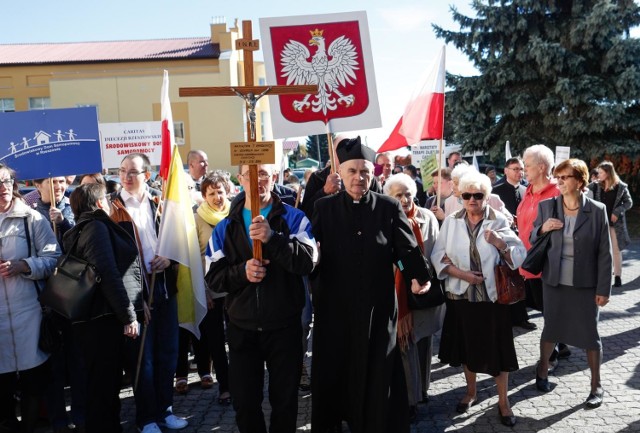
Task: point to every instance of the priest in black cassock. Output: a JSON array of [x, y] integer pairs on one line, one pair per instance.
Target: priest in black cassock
[[357, 371]]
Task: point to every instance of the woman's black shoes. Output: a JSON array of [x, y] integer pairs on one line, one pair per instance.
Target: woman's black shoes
[[617, 282], [595, 399], [543, 385], [508, 420], [463, 407]]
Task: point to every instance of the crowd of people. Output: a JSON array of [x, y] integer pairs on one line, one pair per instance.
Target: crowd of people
[[349, 248]]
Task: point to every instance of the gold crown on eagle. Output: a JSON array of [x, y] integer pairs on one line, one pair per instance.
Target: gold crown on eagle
[[316, 33]]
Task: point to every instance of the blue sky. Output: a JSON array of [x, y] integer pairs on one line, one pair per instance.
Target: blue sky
[[403, 42]]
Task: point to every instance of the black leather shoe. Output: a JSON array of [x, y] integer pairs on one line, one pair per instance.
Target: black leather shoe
[[530, 326], [508, 420], [463, 407], [543, 385], [425, 398], [563, 351], [595, 400], [617, 282]]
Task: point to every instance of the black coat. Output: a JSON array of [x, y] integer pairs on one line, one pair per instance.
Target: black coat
[[277, 301], [104, 244], [167, 278], [357, 371]]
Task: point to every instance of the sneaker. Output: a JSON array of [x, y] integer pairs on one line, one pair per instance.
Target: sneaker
[[173, 422], [150, 428]]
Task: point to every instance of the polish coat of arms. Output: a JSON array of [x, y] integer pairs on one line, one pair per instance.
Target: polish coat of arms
[[328, 55]]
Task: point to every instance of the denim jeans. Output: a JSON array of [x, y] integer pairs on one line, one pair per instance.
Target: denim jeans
[[154, 392]]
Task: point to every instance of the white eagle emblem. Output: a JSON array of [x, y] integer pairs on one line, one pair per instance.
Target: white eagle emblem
[[328, 69]]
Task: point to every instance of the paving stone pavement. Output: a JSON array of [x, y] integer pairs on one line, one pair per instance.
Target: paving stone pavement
[[562, 410]]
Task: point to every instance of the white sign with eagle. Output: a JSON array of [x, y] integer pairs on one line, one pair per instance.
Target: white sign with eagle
[[332, 51]]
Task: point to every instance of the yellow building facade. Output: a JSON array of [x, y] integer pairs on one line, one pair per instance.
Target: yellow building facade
[[123, 79]]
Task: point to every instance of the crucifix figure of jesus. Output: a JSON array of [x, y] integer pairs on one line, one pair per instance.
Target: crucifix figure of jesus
[[251, 100], [248, 92]]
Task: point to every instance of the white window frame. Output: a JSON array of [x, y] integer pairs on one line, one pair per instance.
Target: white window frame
[[44, 102], [7, 105]]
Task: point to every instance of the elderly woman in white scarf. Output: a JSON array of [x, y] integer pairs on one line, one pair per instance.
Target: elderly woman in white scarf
[[415, 327], [477, 331]]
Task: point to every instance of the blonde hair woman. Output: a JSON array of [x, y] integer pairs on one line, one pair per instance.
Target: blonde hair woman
[[614, 194]]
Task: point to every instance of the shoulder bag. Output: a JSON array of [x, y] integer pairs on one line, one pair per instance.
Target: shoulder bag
[[509, 284], [534, 262], [71, 289]]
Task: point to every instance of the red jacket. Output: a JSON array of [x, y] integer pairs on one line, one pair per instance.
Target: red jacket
[[527, 213]]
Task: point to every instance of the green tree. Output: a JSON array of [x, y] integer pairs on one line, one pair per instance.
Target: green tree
[[558, 72], [315, 142]]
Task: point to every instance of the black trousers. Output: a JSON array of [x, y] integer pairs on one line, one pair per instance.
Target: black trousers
[[533, 287], [102, 342], [519, 312], [248, 351], [31, 383], [209, 348]]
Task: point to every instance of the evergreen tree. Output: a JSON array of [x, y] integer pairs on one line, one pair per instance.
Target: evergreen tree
[[315, 142], [558, 72]]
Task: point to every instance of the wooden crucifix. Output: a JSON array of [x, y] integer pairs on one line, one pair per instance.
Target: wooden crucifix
[[252, 152]]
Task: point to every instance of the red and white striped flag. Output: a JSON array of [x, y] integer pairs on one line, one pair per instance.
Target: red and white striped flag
[[168, 136], [423, 118]]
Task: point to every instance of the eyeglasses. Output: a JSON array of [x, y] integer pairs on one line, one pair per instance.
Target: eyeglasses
[[475, 195], [263, 175], [515, 168], [133, 173], [563, 177], [8, 183]]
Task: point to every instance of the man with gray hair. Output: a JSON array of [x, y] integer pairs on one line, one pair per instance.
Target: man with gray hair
[[357, 370]]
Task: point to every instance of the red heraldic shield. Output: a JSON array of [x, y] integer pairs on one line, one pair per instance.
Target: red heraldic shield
[[329, 55]]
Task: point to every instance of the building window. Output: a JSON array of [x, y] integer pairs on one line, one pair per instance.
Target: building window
[[90, 105], [7, 105], [39, 103], [178, 132]]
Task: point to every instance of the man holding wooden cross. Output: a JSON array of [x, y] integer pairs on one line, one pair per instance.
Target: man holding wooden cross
[[264, 302]]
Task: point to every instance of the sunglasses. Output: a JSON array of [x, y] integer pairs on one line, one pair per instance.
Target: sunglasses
[[475, 195]]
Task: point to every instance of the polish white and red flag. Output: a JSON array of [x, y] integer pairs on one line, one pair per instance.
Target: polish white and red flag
[[423, 117], [168, 136]]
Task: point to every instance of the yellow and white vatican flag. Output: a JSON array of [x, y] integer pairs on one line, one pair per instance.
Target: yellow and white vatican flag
[[178, 240]]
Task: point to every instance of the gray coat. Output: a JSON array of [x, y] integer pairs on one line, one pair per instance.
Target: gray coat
[[20, 311], [592, 266], [622, 204]]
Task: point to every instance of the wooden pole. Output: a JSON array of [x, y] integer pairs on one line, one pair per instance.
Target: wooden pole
[[143, 337], [439, 173], [52, 204]]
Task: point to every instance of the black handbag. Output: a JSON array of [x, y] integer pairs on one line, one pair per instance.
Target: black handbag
[[418, 266], [50, 339], [71, 289], [433, 298], [534, 262]]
